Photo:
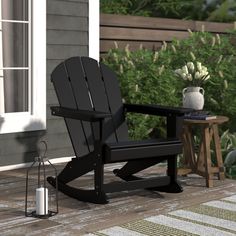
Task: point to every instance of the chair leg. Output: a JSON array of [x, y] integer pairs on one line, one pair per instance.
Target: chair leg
[[73, 168], [174, 186], [99, 180], [79, 194], [172, 171], [133, 167], [76, 168]]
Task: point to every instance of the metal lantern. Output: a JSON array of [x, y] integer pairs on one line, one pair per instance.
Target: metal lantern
[[41, 200]]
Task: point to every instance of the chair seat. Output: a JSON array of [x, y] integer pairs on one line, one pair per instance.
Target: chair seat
[[132, 150]]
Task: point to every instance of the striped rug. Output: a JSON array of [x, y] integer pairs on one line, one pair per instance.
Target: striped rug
[[213, 218]]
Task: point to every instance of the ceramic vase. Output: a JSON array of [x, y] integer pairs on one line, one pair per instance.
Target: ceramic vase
[[193, 97]]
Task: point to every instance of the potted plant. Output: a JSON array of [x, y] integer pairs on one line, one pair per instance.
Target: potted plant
[[194, 75]]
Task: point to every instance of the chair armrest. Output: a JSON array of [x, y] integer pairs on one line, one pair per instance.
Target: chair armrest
[[156, 110], [84, 115]]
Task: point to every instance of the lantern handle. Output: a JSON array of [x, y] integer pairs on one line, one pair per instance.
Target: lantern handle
[[45, 148]]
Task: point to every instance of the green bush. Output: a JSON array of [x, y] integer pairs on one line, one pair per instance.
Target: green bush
[[204, 10], [144, 80], [147, 77], [228, 144]]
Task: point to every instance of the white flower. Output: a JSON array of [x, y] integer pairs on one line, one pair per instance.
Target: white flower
[[207, 77], [185, 69], [115, 57], [221, 74], [127, 50], [161, 69], [155, 57], [213, 41], [193, 56], [164, 46], [220, 59], [116, 45], [189, 77], [190, 66], [225, 84], [184, 76], [178, 71], [199, 66], [197, 75], [202, 40], [190, 31], [131, 64], [173, 48], [204, 68], [194, 73], [121, 69]]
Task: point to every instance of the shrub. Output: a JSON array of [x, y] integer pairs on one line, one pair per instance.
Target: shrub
[[147, 77], [210, 10], [144, 80]]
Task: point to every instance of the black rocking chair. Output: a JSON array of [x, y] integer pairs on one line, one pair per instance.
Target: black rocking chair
[[90, 102]]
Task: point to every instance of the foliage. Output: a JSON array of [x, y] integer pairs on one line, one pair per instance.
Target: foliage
[[225, 12], [144, 80], [228, 150], [214, 10], [148, 77], [228, 147], [228, 142], [116, 7]]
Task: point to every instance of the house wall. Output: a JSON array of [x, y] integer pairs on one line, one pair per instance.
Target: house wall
[[67, 35]]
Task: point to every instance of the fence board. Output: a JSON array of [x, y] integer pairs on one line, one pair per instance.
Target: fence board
[[133, 45], [144, 22], [140, 34], [149, 31], [214, 27]]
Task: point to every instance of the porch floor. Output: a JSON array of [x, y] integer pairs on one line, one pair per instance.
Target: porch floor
[[77, 218]]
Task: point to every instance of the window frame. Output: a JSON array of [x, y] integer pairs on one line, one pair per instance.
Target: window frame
[[94, 29], [35, 119]]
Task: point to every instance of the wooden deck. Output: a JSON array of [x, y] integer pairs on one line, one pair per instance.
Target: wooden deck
[[77, 218]]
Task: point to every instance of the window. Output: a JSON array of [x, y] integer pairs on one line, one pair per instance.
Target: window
[[22, 65]]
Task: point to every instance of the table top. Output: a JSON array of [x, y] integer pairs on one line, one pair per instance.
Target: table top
[[217, 120]]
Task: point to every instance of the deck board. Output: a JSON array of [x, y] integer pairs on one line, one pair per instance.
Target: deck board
[[77, 218]]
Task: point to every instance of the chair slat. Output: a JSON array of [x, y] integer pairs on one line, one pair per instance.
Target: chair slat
[[115, 102], [98, 94], [66, 99], [80, 91]]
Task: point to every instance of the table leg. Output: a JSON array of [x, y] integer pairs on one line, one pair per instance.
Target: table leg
[[207, 156], [200, 160], [219, 159], [187, 153], [191, 149]]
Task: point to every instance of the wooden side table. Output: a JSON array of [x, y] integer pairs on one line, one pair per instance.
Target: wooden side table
[[199, 160]]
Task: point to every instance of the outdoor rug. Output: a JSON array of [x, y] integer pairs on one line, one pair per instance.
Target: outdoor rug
[[213, 218]]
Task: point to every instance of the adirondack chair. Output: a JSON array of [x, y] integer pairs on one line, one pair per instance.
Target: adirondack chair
[[91, 104]]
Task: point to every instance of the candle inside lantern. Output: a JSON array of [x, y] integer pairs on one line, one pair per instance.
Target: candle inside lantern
[[41, 201]]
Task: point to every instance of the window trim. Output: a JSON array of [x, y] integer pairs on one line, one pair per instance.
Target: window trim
[[35, 119], [94, 29]]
